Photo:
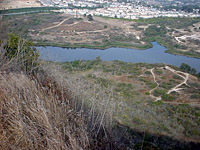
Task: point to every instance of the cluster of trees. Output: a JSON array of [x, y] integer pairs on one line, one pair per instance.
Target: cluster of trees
[[190, 8], [90, 18], [187, 8], [187, 68], [154, 30]]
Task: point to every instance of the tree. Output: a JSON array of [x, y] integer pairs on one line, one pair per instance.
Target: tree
[[198, 75], [22, 50], [90, 18], [187, 68], [193, 71], [153, 30]]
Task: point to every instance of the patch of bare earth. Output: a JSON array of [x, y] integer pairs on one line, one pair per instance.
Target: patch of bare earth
[[12, 4]]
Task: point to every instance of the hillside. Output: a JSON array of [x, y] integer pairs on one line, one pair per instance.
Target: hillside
[[38, 111], [93, 104], [50, 27], [138, 100]]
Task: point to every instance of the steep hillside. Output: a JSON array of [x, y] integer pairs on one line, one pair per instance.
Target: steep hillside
[[93, 104]]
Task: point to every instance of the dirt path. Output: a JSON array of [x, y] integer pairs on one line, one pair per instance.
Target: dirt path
[[73, 24], [154, 78], [177, 88], [92, 31], [181, 74], [54, 25]]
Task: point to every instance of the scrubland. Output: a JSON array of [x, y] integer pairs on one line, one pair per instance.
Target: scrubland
[[94, 104]]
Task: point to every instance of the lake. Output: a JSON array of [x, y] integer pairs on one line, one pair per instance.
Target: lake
[[153, 55]]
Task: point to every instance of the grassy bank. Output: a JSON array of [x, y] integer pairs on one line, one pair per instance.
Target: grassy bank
[[102, 47], [170, 48]]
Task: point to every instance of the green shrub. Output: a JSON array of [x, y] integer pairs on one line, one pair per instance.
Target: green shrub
[[148, 72], [195, 96], [23, 51], [167, 97], [153, 30], [177, 77], [147, 93]]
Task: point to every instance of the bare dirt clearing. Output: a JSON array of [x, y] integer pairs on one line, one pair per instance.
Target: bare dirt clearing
[[11, 4], [189, 37]]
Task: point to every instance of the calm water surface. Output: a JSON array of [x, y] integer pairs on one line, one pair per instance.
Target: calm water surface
[[153, 55]]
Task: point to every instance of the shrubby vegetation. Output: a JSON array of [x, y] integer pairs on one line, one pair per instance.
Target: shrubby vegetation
[[187, 8], [22, 50], [187, 68], [38, 112], [90, 18], [153, 30], [88, 105], [170, 22]]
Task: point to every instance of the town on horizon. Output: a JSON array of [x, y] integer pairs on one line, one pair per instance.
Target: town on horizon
[[127, 9]]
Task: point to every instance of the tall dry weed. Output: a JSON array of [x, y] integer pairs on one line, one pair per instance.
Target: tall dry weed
[[31, 118]]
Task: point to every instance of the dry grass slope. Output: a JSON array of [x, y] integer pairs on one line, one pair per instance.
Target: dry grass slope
[[33, 119]]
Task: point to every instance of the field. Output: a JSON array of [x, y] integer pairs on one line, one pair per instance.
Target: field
[[12, 4], [179, 35], [155, 99]]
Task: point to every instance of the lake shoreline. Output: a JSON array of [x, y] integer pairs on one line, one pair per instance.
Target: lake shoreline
[[98, 47], [156, 54], [105, 47]]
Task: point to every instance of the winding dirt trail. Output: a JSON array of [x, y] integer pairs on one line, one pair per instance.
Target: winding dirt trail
[[181, 74], [55, 25], [154, 78], [81, 32], [177, 88]]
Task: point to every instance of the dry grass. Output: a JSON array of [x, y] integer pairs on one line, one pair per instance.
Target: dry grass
[[88, 99], [51, 110], [95, 105], [48, 109], [7, 65], [33, 119], [10, 4]]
